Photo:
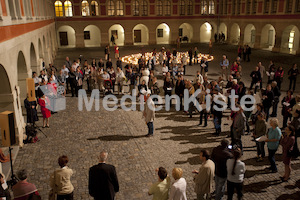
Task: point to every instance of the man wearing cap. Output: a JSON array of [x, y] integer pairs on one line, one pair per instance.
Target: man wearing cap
[[149, 112]]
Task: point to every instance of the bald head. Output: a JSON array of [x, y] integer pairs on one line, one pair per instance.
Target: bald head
[[103, 156]]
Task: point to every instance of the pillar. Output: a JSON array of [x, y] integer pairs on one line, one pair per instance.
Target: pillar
[[128, 39], [152, 36], [79, 35], [277, 45]]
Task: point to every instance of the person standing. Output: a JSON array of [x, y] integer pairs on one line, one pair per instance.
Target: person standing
[[103, 180], [279, 76], [178, 189], [274, 135], [267, 100], [239, 125], [224, 65], [117, 52], [256, 79], [235, 175], [262, 70], [179, 90], [60, 181], [220, 155], [160, 189], [260, 130], [293, 73], [204, 177], [277, 93], [43, 102], [287, 104], [190, 52], [196, 52], [287, 144], [120, 77], [149, 112]]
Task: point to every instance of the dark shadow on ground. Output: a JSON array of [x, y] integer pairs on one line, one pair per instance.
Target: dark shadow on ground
[[260, 187], [116, 137], [293, 196], [252, 161], [194, 160]]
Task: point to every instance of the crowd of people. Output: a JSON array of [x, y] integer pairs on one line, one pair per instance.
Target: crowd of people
[[223, 164]]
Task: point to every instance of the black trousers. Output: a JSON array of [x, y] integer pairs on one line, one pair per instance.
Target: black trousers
[[230, 189], [73, 89], [293, 83], [65, 197], [203, 113]]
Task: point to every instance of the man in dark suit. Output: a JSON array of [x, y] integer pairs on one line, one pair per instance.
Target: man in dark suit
[[103, 181]]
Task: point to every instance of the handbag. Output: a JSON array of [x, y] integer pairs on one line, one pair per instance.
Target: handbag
[[52, 192]]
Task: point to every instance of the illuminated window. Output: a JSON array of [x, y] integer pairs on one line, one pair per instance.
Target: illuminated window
[[120, 8], [203, 7], [182, 7], [144, 8], [168, 8], [159, 7], [190, 8], [94, 8], [211, 7], [111, 8], [136, 9], [58, 9], [68, 9], [291, 40], [85, 8], [267, 6], [274, 6]]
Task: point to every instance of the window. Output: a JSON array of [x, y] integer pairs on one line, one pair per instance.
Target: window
[[58, 9], [289, 6], [120, 8], [144, 8], [160, 32], [68, 9], [18, 11], [85, 8], [94, 8], [248, 6], [168, 8], [111, 8], [233, 7], [267, 6], [136, 9], [182, 7], [254, 4], [225, 7], [274, 6], [203, 7], [180, 32], [87, 35], [211, 8], [159, 8], [238, 9], [298, 6], [190, 8]]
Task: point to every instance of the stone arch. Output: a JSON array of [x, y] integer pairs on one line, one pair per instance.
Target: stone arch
[[140, 34], [267, 41], [186, 31], [118, 31], [290, 40], [33, 59], [235, 32], [40, 49], [6, 97], [92, 36], [22, 75], [223, 29], [249, 35], [66, 35], [205, 32], [163, 34]]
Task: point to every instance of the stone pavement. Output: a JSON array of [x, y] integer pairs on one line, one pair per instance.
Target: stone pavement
[[177, 143]]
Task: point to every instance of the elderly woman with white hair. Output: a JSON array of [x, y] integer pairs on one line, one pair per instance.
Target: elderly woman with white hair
[[274, 135]]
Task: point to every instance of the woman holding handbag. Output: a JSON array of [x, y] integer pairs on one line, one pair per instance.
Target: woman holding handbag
[[60, 181]]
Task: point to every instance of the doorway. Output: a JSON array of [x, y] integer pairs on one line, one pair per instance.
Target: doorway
[[137, 36], [63, 36]]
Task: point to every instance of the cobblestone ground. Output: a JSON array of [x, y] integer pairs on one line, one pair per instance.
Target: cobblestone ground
[[177, 143]]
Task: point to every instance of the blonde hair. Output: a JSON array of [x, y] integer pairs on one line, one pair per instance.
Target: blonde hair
[[274, 121], [177, 173]]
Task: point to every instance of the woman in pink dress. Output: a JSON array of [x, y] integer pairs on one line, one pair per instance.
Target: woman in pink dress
[[287, 143], [46, 113]]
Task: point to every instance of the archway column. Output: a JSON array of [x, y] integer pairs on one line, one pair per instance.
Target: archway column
[[128, 40], [22, 86], [20, 122], [152, 36], [104, 38], [79, 35], [196, 36], [242, 37], [257, 40], [277, 45]]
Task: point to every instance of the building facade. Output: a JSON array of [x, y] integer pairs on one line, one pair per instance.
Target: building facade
[[28, 37], [267, 24]]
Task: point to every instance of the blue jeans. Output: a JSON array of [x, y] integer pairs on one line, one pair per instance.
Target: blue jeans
[[260, 149], [220, 187], [150, 128], [271, 158]]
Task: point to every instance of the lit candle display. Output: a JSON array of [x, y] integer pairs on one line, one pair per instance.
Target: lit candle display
[[133, 58]]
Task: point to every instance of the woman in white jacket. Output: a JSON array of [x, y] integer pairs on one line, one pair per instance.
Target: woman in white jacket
[[120, 77]]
